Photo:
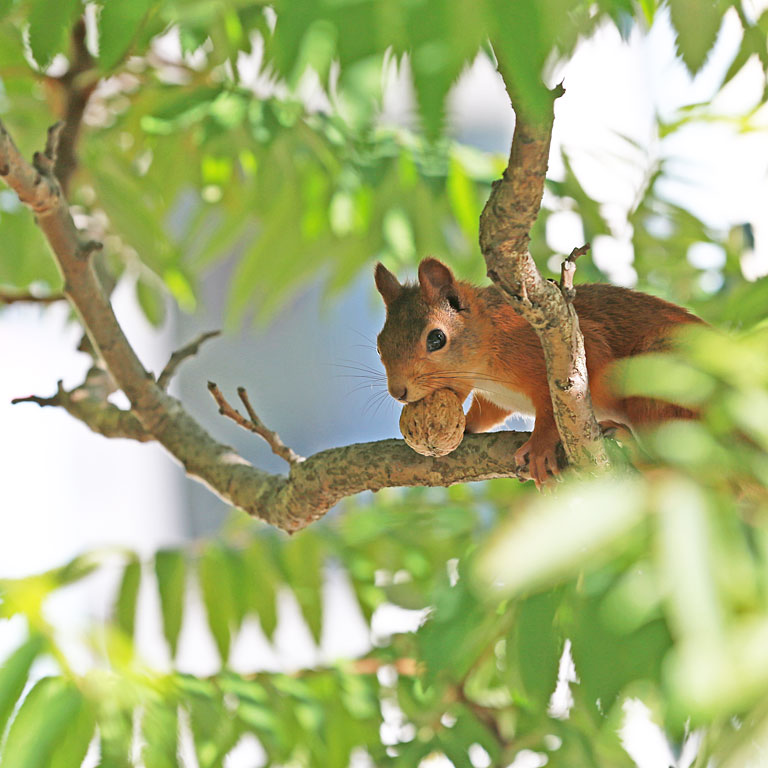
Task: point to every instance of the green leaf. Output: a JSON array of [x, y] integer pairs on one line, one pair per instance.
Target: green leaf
[[13, 676], [127, 596], [24, 257], [608, 660], [463, 196], [48, 24], [537, 645], [456, 633], [303, 558], [214, 734], [6, 6], [136, 205], [73, 746], [119, 21], [455, 750], [649, 10], [151, 300], [470, 730], [261, 583], [559, 535], [238, 578], [46, 715], [696, 24], [170, 569], [664, 377], [160, 729], [686, 559], [116, 737], [216, 586]]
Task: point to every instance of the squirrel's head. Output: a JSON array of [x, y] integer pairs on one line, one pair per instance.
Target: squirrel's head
[[427, 342]]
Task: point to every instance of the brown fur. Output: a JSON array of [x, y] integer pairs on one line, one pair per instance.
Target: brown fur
[[488, 341]]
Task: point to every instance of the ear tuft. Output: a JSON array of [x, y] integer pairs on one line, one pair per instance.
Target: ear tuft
[[387, 284], [435, 279]]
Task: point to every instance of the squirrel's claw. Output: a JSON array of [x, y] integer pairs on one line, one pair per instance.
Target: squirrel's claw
[[541, 461]]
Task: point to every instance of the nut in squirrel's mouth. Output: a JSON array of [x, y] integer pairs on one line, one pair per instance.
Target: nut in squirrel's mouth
[[407, 400]]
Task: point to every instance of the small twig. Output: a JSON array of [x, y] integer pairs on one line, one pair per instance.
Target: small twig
[[275, 443], [44, 162], [568, 270], [254, 424], [52, 141], [8, 297], [180, 355], [41, 401]]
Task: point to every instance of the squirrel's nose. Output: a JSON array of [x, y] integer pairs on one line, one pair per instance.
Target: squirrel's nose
[[400, 394]]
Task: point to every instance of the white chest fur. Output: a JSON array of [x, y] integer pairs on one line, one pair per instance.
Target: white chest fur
[[505, 398]]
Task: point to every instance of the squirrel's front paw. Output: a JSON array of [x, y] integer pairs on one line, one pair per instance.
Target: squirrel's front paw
[[541, 458]]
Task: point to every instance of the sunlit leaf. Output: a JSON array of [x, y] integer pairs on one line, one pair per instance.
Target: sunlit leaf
[[56, 703], [170, 569], [262, 583], [48, 25], [159, 727], [696, 24], [216, 586], [559, 535], [72, 747], [662, 377], [151, 300], [608, 659], [537, 644], [302, 560], [13, 675], [119, 21], [127, 596], [685, 551]]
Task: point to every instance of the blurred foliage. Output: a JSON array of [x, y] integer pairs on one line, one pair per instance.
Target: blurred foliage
[[656, 583], [251, 133]]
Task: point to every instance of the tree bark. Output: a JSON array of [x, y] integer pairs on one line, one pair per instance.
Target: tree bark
[[505, 226]]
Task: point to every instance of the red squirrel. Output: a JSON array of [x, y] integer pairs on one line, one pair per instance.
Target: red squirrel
[[443, 332]]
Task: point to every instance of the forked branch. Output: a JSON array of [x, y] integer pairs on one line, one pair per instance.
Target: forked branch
[[289, 502], [505, 226], [253, 423]]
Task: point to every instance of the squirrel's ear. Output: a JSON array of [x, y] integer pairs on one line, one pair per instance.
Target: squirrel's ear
[[435, 280], [386, 284]]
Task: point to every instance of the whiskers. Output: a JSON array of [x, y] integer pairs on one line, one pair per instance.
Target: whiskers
[[462, 380], [375, 402], [366, 377]]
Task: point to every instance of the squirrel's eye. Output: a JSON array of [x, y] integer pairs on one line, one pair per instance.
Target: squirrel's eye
[[435, 340]]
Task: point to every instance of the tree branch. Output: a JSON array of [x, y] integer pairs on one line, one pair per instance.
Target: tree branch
[[290, 502], [98, 414], [180, 355], [568, 270], [77, 84], [18, 297], [505, 226], [253, 423]]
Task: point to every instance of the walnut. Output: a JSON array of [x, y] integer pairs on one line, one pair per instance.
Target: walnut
[[434, 425]]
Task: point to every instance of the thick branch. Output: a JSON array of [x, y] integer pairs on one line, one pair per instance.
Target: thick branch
[[505, 226], [101, 416], [312, 486]]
